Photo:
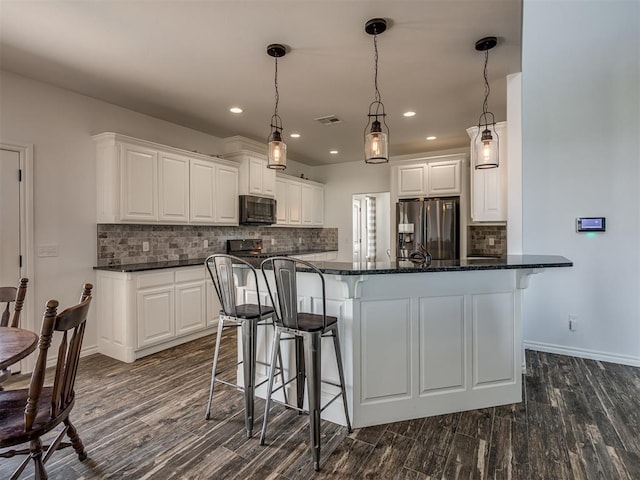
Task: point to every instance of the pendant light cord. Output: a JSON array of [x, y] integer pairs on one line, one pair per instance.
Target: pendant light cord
[[487, 89], [375, 76], [276, 85]]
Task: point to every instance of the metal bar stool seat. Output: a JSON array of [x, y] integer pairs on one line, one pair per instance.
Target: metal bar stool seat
[[308, 329], [247, 317]]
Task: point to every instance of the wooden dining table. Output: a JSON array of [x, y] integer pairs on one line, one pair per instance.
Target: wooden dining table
[[15, 344]]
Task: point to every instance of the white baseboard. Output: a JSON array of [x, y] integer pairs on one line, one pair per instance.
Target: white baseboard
[[85, 352], [584, 353]]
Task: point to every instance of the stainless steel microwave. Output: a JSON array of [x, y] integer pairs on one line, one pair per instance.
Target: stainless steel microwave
[[257, 210]]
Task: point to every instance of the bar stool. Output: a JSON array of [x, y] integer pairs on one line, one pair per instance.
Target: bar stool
[[310, 328], [247, 317]]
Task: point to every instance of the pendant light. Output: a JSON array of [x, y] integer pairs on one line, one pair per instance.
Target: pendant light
[[277, 150], [487, 142], [376, 138]]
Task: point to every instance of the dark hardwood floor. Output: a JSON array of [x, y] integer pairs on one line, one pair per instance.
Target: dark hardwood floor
[[580, 419]]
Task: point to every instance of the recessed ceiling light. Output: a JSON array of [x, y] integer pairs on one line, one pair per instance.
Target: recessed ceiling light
[[408, 114], [235, 110], [295, 135], [431, 138], [333, 152]]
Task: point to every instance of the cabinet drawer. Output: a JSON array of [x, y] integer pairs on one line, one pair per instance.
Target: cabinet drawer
[[155, 279], [190, 274]]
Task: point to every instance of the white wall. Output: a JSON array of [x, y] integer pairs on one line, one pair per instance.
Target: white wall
[[59, 124], [581, 157], [342, 181]]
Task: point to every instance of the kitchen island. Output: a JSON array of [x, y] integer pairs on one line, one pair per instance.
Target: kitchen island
[[420, 340]]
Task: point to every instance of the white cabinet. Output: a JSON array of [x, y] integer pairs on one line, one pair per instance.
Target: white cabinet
[[443, 178], [294, 203], [430, 177], [139, 180], [144, 182], [412, 180], [299, 202], [307, 204], [173, 191], [255, 177], [318, 205], [202, 193], [227, 195], [489, 186], [282, 217], [140, 313], [191, 301]]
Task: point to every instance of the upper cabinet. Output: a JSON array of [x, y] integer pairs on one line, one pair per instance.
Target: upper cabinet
[[144, 182], [299, 202], [489, 186], [430, 177], [255, 177]]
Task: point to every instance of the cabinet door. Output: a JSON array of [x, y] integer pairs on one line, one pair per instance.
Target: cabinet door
[[412, 181], [281, 202], [318, 206], [156, 315], [173, 194], [227, 195], [139, 183], [256, 166], [202, 200], [294, 203], [268, 181], [307, 204], [443, 178], [213, 304], [190, 307]]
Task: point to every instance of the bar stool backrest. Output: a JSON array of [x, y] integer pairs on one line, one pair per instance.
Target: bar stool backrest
[[220, 267], [284, 271]]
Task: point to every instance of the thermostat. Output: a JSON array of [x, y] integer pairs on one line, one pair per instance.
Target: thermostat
[[590, 224]]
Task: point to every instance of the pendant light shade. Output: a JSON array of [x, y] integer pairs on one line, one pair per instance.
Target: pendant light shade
[[277, 149], [487, 141], [376, 133]]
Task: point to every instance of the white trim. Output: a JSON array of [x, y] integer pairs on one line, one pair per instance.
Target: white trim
[[630, 360], [29, 315]]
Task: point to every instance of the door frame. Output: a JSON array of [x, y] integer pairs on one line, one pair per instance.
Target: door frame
[[28, 318]]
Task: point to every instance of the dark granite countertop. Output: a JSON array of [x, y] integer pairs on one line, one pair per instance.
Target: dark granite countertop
[[510, 262]]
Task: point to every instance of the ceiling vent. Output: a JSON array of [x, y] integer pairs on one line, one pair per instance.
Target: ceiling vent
[[328, 120]]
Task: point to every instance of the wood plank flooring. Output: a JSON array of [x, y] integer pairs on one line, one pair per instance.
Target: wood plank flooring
[[580, 419]]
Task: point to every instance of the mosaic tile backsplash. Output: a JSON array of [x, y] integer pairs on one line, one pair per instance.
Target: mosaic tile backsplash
[[479, 239], [120, 244]]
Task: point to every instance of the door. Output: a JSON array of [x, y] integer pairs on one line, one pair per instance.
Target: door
[[357, 228], [139, 194], [227, 195], [9, 218], [173, 195], [202, 203]]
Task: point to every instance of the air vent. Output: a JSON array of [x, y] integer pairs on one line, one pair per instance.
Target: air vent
[[328, 120]]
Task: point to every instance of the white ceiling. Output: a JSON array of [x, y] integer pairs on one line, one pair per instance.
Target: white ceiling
[[188, 62]]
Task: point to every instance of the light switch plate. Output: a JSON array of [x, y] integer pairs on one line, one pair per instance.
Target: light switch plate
[[48, 250]]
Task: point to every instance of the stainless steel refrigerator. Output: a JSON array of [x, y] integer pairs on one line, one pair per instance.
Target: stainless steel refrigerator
[[430, 223]]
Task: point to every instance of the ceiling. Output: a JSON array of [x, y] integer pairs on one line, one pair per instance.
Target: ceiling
[[188, 62]]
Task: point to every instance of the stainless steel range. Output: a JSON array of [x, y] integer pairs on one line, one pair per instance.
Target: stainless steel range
[[246, 247]]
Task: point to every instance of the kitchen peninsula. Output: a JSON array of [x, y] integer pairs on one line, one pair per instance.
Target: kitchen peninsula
[[421, 340], [417, 340]]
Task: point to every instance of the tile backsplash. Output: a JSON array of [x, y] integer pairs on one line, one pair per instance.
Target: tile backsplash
[[121, 244], [479, 240]]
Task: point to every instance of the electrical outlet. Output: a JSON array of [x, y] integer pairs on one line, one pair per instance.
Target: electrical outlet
[[145, 246], [205, 244], [48, 251], [573, 323], [492, 241], [299, 240], [273, 241]]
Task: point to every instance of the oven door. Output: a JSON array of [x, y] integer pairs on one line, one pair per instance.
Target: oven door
[[257, 210]]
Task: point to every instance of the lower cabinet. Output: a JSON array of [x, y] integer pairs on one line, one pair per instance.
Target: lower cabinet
[[140, 313]]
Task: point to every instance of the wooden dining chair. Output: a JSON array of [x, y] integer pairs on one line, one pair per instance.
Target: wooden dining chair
[[9, 295], [27, 414]]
